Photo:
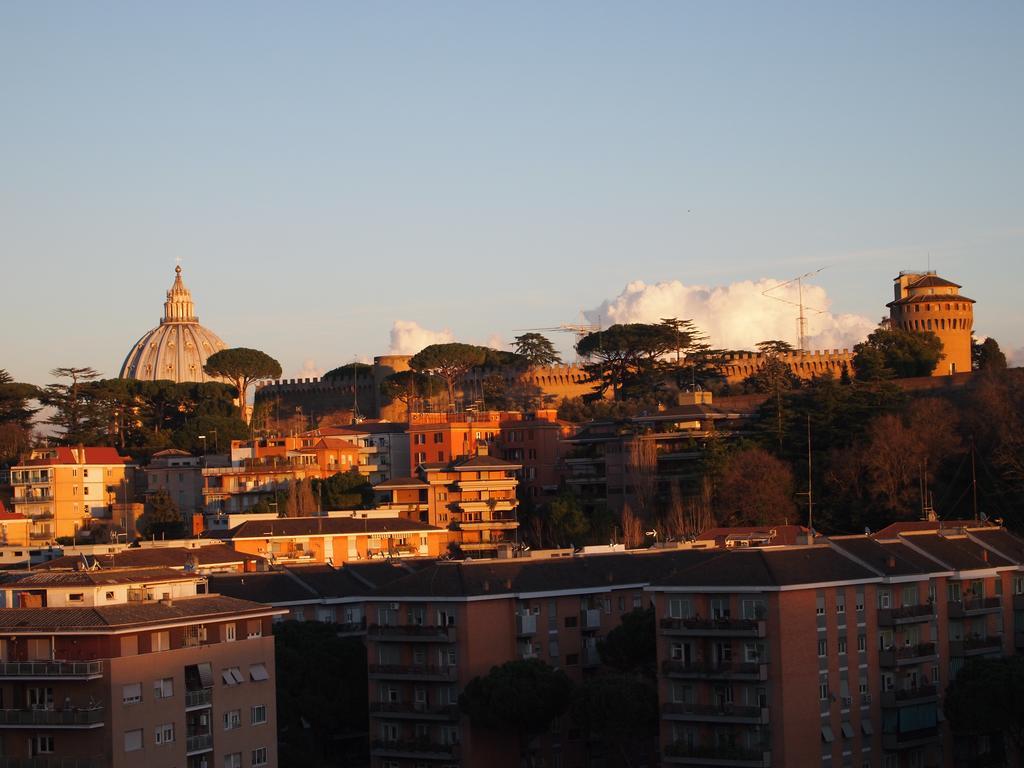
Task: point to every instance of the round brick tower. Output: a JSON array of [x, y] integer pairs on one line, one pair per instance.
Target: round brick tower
[[926, 302]]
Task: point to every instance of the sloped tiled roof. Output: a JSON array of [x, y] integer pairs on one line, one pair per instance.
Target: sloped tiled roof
[[888, 559], [41, 578], [152, 557], [325, 526], [93, 455], [123, 615], [956, 552]]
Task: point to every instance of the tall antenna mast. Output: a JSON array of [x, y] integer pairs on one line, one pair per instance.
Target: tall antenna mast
[[801, 318], [810, 485]]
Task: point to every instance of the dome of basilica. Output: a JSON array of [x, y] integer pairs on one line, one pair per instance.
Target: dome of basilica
[[178, 348]]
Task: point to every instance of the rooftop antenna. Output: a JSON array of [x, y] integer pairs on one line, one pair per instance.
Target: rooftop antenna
[[974, 483], [356, 418], [801, 319], [809, 493]]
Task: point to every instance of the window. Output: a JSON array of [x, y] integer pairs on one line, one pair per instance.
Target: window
[[862, 642], [822, 648], [819, 608], [254, 628], [160, 641], [720, 608], [753, 609], [258, 714], [258, 672], [847, 730], [164, 734], [259, 757], [232, 719], [572, 621], [42, 745], [164, 688], [840, 605], [823, 687], [884, 599], [195, 635], [133, 740], [842, 645], [234, 760], [860, 601], [231, 676], [753, 652], [132, 693], [110, 595], [76, 597], [680, 608]]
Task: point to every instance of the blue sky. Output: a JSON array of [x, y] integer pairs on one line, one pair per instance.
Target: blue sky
[[324, 169]]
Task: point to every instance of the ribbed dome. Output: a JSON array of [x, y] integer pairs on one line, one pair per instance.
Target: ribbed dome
[[178, 348]]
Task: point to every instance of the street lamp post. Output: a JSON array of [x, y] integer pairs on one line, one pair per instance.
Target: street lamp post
[[203, 438]]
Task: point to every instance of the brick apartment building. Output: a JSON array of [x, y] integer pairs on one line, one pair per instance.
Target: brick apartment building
[[133, 667], [473, 498], [835, 653]]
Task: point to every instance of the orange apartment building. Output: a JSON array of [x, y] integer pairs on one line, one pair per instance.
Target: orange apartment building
[[474, 498], [831, 654], [135, 668], [62, 490], [336, 540], [534, 441]]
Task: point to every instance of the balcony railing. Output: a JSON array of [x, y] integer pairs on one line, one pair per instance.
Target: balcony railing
[[906, 696], [67, 718], [413, 672], [526, 624], [694, 754], [412, 633], [909, 739], [747, 670], [975, 646], [906, 655], [51, 762], [414, 748], [202, 742], [590, 618], [415, 710], [201, 697], [906, 615], [972, 606], [712, 627], [83, 670], [351, 627], [722, 713]]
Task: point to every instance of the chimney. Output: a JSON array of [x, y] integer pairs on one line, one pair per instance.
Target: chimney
[[482, 449], [80, 457], [890, 562], [984, 555]]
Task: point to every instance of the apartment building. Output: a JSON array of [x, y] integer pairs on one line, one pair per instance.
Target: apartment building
[[62, 490], [835, 653], [132, 668], [383, 447], [535, 441], [179, 474], [336, 540], [474, 498], [210, 557]]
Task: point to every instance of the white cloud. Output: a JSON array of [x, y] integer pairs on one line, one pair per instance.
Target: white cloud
[[737, 316], [1014, 357], [408, 337], [310, 370]]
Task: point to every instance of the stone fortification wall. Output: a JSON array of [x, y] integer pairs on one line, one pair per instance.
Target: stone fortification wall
[[805, 365]]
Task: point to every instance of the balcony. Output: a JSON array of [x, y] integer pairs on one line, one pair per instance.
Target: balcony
[[908, 614], [910, 654], [414, 711], [715, 713], [413, 672], [974, 606], [495, 523], [202, 742], [50, 718], [526, 624], [46, 670], [1018, 602], [199, 698], [906, 697], [728, 670], [412, 633], [51, 762], [350, 628], [910, 739], [975, 646], [590, 619], [682, 753], [713, 627], [41, 535], [415, 749]]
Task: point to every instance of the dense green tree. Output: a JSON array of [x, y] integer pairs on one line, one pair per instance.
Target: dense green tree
[[566, 522], [14, 443], [162, 518], [242, 366], [626, 358], [72, 415], [632, 646], [622, 712], [521, 697], [315, 721], [15, 402], [987, 696], [987, 356], [350, 370], [894, 352], [450, 362], [344, 490], [407, 387], [537, 349]]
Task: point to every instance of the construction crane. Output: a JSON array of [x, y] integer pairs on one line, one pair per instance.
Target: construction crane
[[801, 319]]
